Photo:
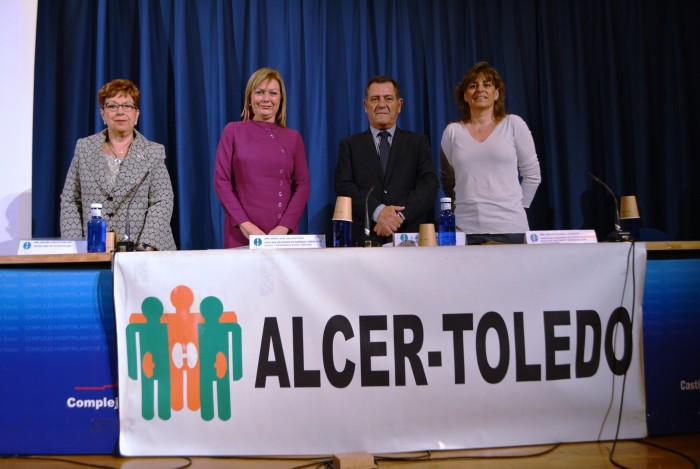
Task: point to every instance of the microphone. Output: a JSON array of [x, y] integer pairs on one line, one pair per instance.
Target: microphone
[[618, 234], [126, 244], [368, 238], [367, 232]]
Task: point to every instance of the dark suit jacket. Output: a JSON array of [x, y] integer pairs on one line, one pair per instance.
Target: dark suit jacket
[[410, 179]]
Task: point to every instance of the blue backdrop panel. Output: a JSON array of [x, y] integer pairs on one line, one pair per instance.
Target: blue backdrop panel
[[57, 362], [671, 352]]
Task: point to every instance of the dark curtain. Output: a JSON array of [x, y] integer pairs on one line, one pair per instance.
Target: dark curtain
[[607, 87]]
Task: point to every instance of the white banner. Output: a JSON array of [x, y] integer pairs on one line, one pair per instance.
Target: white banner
[[240, 352]]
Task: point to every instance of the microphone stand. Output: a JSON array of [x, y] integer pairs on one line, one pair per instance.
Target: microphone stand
[[369, 239], [126, 244], [617, 235]]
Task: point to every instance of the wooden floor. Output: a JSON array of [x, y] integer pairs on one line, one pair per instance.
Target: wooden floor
[[678, 451]]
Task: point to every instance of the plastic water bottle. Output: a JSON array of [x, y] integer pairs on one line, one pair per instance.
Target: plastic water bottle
[[96, 230], [446, 225]]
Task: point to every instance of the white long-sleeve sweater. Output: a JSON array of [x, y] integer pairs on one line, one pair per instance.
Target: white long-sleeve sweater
[[484, 177]]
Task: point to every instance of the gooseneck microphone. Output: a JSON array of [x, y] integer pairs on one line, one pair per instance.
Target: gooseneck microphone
[[126, 244], [618, 234], [367, 231], [368, 238]]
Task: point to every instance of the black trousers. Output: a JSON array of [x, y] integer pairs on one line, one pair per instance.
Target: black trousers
[[501, 238]]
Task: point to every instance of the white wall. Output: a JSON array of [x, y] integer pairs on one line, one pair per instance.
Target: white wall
[[17, 41]]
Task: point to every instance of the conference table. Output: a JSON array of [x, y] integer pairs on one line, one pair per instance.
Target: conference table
[[67, 322]]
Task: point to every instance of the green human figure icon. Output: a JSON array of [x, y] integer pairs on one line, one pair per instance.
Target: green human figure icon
[[153, 356], [216, 361]]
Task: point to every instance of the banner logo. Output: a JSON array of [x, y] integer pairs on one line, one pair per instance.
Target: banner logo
[[184, 355]]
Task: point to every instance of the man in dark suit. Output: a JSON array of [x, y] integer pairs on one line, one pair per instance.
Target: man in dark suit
[[396, 167]]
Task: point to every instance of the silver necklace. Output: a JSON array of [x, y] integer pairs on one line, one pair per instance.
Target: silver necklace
[[117, 159]]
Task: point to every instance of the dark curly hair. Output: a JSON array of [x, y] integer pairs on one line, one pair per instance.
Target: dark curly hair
[[491, 74]]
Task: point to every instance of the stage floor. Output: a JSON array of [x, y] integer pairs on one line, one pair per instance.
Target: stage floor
[[633, 454]]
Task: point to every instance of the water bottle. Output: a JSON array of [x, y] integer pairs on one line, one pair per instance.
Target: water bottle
[[446, 225], [96, 230]]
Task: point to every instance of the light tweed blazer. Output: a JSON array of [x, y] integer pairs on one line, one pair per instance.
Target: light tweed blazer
[[87, 182]]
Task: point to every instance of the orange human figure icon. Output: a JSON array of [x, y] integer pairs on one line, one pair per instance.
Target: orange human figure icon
[[183, 345]]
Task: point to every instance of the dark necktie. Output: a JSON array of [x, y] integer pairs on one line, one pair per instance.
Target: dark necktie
[[384, 148]]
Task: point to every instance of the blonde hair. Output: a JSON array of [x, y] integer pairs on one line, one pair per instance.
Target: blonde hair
[[254, 81]]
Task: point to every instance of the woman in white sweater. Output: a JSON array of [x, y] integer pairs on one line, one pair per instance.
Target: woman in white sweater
[[489, 165]]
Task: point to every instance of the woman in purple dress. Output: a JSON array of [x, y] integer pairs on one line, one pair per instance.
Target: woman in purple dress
[[261, 175]]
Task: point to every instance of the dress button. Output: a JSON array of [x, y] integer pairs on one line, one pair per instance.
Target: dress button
[[282, 150], [281, 182], [386, 191], [281, 171], [279, 215], [279, 204], [280, 194]]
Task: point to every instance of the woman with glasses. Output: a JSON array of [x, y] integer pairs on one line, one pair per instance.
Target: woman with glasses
[[119, 168], [261, 175]]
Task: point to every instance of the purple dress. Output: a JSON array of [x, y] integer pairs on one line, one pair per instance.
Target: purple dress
[[261, 175]]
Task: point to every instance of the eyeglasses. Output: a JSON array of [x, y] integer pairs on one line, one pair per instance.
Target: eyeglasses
[[113, 107]]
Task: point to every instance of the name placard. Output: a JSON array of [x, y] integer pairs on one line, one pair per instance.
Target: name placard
[[287, 241], [560, 236], [405, 239], [50, 246], [411, 239]]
